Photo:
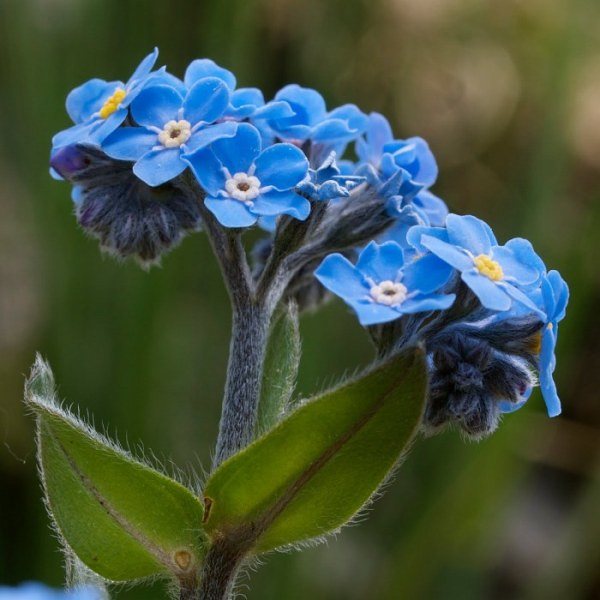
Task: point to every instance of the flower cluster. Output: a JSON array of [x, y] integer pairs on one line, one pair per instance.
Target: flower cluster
[[348, 209]]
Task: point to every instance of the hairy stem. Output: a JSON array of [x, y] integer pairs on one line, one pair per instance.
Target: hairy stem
[[220, 570], [250, 329]]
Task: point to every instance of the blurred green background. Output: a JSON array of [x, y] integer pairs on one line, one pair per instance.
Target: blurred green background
[[507, 93]]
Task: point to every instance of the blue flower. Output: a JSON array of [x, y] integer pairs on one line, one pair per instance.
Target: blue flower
[[312, 121], [382, 286], [382, 156], [98, 107], [244, 183], [494, 273], [326, 182], [37, 591], [170, 125], [245, 103]]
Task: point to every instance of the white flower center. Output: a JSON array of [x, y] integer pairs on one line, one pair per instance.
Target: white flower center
[[175, 133], [389, 293], [243, 187]]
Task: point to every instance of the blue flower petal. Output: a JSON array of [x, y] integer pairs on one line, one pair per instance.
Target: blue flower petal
[[332, 130], [547, 365], [435, 208], [281, 203], [342, 278], [296, 133], [427, 169], [247, 96], [490, 294], [372, 313], [156, 105], [145, 66], [426, 274], [163, 77], [426, 303], [129, 143], [415, 233], [516, 294], [207, 135], [76, 134], [455, 257], [282, 166], [378, 134], [237, 153], [307, 104], [514, 270], [207, 169], [274, 110], [230, 213], [159, 166], [381, 262], [560, 293], [356, 119], [244, 103], [548, 299], [85, 100], [206, 101], [104, 127], [204, 67], [469, 233], [524, 252]]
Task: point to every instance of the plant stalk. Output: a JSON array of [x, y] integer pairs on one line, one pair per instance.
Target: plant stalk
[[249, 336], [221, 567]]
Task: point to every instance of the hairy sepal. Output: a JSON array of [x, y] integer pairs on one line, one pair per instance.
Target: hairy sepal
[[121, 518], [314, 471]]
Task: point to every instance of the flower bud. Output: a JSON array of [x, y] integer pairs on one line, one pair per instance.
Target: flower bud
[[128, 217]]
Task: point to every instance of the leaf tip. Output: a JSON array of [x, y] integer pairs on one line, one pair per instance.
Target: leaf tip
[[39, 386]]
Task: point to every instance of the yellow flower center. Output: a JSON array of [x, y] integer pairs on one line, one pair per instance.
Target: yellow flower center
[[112, 104], [489, 267]]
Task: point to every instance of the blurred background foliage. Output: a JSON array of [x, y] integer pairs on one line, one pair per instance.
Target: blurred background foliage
[[507, 93]]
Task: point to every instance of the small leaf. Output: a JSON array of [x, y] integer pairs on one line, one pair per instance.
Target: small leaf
[[281, 368], [314, 471], [121, 518]]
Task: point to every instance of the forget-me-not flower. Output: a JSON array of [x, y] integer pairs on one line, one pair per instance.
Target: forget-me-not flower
[[98, 107], [382, 287], [244, 182], [169, 125], [494, 273], [311, 120], [381, 156], [244, 102]]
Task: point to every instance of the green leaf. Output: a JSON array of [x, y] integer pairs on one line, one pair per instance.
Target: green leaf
[[121, 518], [281, 368], [314, 471]]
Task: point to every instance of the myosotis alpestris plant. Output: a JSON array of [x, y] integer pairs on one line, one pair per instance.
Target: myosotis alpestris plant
[[463, 327]]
